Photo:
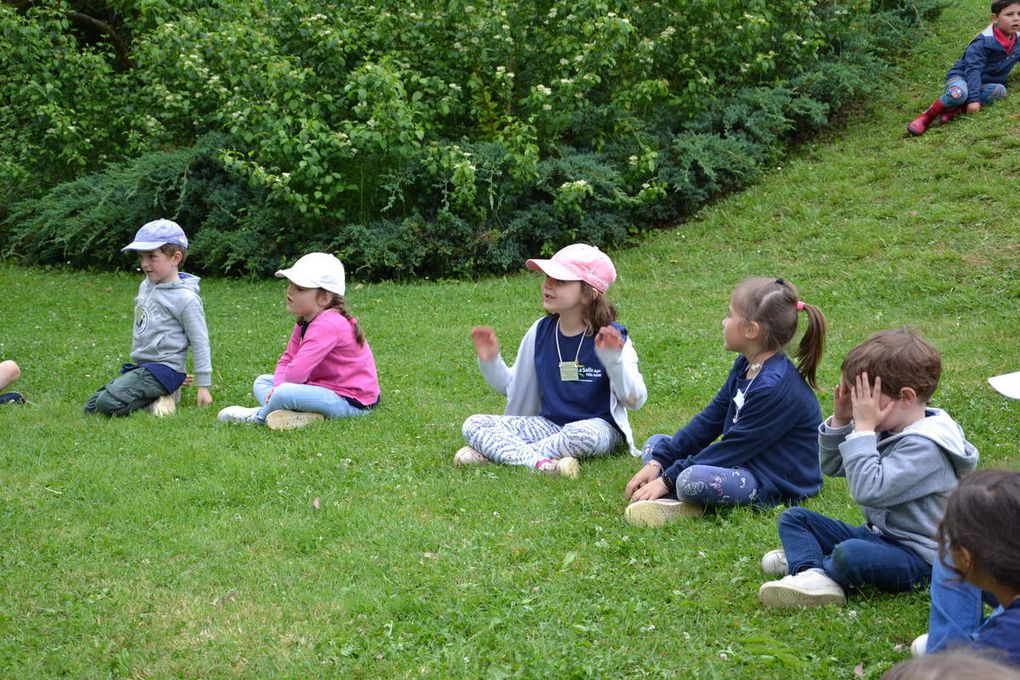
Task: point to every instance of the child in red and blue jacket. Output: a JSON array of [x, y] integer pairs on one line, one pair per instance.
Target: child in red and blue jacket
[[979, 77]]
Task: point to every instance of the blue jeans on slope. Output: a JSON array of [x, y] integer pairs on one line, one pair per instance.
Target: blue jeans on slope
[[308, 398], [956, 93], [850, 555]]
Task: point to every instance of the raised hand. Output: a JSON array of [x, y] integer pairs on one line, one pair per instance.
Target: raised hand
[[867, 403], [486, 342], [608, 338], [842, 405]]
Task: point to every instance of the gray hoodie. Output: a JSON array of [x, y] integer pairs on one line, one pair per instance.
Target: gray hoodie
[[170, 317], [901, 480]]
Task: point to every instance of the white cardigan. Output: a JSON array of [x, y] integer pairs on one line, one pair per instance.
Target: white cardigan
[[520, 383]]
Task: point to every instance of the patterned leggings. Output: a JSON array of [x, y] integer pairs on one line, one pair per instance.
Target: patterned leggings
[[710, 485], [525, 440]]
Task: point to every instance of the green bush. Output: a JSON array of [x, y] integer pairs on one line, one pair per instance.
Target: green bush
[[421, 139]]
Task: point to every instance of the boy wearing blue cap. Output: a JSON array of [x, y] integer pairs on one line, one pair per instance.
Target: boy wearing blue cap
[[169, 318]]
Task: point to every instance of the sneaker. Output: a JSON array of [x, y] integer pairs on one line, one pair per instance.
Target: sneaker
[[11, 398], [468, 456], [660, 511], [919, 646], [291, 420], [237, 414], [560, 467], [163, 406], [809, 588], [774, 563]]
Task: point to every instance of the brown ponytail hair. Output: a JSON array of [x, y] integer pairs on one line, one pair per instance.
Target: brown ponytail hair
[[338, 303], [775, 306]]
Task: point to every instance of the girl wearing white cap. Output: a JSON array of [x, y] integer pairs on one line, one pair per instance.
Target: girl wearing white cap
[[327, 370], [575, 376]]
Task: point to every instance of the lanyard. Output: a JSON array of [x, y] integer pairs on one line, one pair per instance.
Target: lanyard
[[568, 369]]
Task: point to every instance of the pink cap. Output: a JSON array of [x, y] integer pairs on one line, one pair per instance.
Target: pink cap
[[579, 262]]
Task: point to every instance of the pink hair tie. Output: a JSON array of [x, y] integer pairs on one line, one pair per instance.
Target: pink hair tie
[[354, 321], [800, 305]]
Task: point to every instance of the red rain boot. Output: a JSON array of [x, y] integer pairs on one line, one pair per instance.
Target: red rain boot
[[952, 113], [921, 123]]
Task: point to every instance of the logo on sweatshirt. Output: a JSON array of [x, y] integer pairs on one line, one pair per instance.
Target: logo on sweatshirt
[[141, 319]]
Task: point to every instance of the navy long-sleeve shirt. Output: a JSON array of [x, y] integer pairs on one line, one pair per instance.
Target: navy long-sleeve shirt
[[774, 434]]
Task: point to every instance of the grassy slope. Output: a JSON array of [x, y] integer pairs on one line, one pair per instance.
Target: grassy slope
[[182, 547]]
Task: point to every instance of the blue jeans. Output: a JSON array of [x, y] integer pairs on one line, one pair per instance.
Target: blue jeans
[[707, 484], [308, 398], [850, 555], [957, 608], [956, 93]]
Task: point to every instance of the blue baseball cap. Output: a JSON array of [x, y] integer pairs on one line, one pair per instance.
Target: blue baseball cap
[[158, 233]]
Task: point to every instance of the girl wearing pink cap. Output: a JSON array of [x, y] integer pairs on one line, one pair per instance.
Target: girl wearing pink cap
[[575, 376]]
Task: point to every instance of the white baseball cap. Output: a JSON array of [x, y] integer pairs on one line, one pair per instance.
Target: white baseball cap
[[1008, 384], [316, 270]]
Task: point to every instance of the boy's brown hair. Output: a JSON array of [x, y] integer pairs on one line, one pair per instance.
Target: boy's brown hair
[[902, 358], [999, 5], [169, 249]]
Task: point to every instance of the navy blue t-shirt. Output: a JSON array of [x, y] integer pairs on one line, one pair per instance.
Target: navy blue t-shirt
[[1002, 632], [569, 401]]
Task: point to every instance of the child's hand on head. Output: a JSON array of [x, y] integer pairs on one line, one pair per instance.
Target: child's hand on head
[[608, 338], [486, 342], [973, 107], [842, 405], [204, 397], [866, 398]]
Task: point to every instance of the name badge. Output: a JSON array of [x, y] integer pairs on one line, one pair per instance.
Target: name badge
[[568, 371]]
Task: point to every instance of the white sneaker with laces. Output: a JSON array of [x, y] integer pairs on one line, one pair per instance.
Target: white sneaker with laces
[[774, 563], [468, 456], [809, 588], [237, 414]]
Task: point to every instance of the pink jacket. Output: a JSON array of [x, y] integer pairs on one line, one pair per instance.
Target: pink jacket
[[329, 356]]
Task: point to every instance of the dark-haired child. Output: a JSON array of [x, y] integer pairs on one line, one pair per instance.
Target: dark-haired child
[[979, 77], [327, 370], [901, 459], [574, 379], [979, 533], [169, 318], [766, 414]]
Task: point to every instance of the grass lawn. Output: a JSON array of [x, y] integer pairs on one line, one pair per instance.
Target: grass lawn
[[182, 547]]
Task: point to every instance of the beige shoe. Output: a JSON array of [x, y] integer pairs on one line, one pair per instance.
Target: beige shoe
[[774, 563], [291, 420], [163, 406], [560, 467], [809, 588], [468, 456], [660, 511]]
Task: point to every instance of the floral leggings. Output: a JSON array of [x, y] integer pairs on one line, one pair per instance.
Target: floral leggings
[[708, 484]]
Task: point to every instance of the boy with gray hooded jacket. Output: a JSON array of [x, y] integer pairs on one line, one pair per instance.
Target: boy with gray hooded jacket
[[901, 459], [169, 318]]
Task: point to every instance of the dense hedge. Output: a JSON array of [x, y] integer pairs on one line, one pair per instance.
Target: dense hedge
[[413, 138]]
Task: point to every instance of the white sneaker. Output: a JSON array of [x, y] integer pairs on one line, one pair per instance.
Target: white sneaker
[[163, 406], [809, 588], [919, 646], [284, 419], [774, 563], [659, 512], [560, 467], [237, 414], [468, 456]]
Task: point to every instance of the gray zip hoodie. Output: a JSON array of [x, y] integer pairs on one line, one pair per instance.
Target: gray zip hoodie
[[901, 480], [170, 317]]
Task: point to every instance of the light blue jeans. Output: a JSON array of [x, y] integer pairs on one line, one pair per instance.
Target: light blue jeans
[[956, 93], [308, 398], [957, 608]]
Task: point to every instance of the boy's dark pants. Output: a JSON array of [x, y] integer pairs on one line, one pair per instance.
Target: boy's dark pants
[[128, 392]]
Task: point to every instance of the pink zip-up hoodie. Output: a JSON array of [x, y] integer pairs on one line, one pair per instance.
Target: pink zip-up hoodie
[[329, 356]]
